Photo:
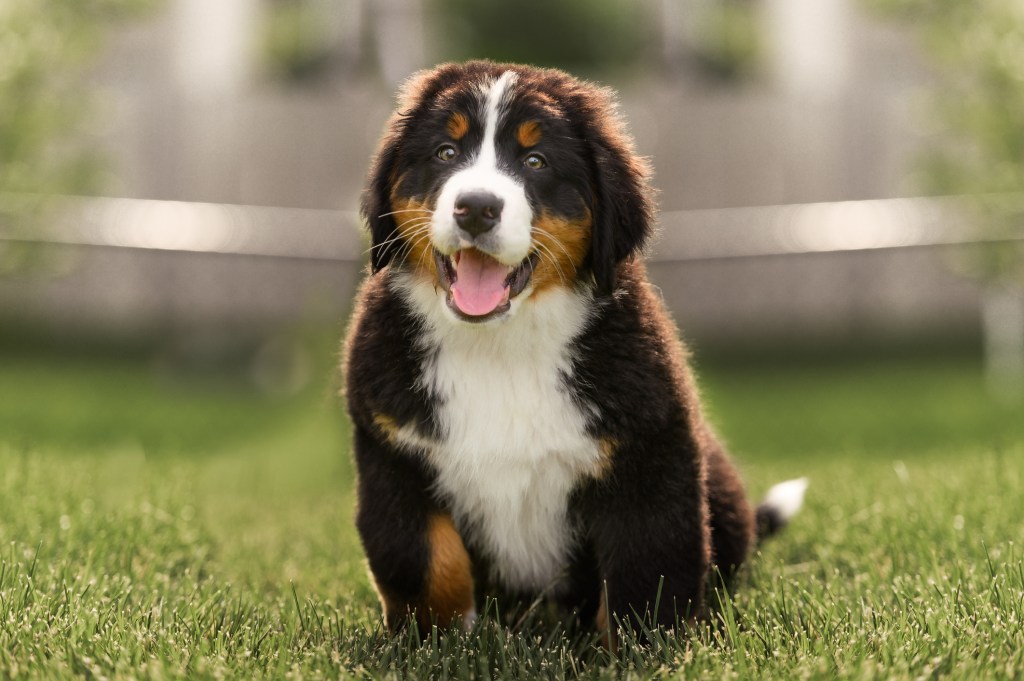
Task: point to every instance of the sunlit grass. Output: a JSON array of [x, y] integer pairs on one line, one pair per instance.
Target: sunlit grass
[[185, 529]]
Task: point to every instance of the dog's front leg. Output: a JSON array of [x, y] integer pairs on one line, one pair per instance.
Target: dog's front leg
[[649, 527], [419, 563]]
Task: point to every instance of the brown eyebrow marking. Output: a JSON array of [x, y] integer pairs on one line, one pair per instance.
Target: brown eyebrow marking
[[458, 126], [528, 133]]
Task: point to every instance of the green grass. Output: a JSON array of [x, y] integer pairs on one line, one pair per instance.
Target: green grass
[[161, 528]]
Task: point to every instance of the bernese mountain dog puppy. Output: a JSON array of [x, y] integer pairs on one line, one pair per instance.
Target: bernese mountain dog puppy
[[525, 424]]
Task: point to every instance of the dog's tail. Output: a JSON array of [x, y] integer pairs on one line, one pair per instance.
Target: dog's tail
[[782, 502]]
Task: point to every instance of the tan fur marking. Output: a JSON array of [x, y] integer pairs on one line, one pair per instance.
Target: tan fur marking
[[604, 626], [413, 220], [387, 426], [458, 126], [528, 133], [606, 446], [450, 581], [562, 246]]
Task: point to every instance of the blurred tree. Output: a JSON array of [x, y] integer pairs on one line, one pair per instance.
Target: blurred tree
[[45, 46], [584, 36], [977, 47], [727, 41], [295, 42]]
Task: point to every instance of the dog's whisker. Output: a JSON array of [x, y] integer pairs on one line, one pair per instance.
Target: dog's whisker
[[417, 222], [414, 222], [407, 210], [413, 227], [417, 228], [391, 236], [423, 256], [545, 255], [546, 252], [399, 257], [382, 245], [412, 244], [425, 236], [409, 240], [406, 251], [556, 240]]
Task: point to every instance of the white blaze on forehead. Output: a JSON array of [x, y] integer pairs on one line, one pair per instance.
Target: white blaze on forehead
[[496, 97]]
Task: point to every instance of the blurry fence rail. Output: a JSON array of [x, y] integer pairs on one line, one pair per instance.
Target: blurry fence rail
[[863, 266], [685, 235], [221, 229]]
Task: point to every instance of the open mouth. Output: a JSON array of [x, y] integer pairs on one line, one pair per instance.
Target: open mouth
[[479, 287]]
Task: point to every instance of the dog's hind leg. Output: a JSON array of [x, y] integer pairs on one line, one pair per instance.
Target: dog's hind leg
[[731, 516]]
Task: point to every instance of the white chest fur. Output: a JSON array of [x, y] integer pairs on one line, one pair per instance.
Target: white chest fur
[[514, 442]]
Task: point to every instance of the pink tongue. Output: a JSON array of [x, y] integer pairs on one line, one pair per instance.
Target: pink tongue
[[479, 282]]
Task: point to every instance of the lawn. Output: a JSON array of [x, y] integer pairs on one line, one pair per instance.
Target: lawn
[[160, 526]]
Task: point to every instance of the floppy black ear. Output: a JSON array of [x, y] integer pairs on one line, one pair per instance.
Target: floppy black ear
[[376, 202], [623, 207]]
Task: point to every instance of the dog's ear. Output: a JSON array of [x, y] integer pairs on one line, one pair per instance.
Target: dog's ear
[[622, 204], [376, 199]]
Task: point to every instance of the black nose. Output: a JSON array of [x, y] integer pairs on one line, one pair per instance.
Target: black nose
[[478, 212]]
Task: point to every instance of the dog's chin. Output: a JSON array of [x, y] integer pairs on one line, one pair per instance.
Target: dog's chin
[[478, 288]]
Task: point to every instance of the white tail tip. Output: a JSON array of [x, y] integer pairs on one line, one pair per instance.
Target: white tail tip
[[786, 498]]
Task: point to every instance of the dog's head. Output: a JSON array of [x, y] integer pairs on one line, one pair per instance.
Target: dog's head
[[496, 182]]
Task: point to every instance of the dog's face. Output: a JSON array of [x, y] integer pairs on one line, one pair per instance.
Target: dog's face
[[497, 182]]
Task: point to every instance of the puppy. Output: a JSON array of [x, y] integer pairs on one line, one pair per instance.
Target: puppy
[[525, 424]]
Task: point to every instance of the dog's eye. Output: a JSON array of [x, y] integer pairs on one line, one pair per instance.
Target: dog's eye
[[535, 162], [446, 152]]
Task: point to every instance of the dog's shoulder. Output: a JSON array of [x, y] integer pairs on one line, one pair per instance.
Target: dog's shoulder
[[383, 361], [631, 359]]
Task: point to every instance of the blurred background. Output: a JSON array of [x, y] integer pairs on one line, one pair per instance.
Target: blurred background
[[841, 187]]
